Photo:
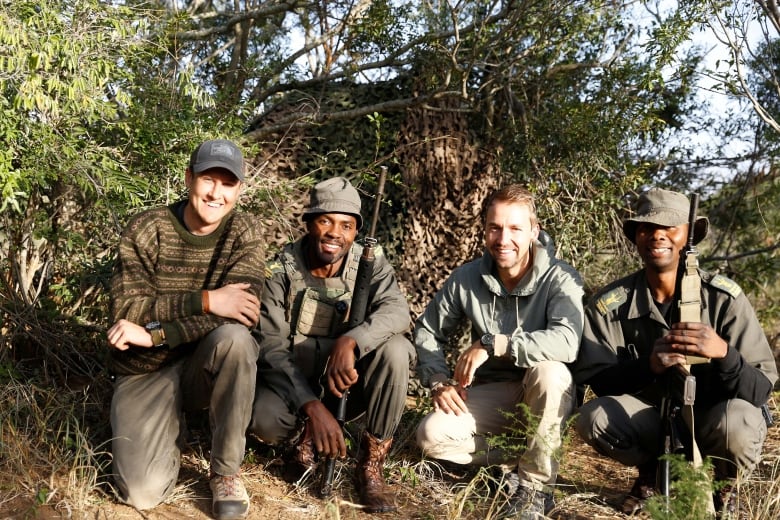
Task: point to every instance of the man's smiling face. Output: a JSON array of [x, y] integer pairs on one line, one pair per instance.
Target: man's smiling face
[[213, 194], [660, 246], [331, 236]]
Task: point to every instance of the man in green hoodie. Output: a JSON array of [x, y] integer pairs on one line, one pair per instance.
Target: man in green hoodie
[[525, 309]]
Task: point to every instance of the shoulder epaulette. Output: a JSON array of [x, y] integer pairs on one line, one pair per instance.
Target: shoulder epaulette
[[610, 300], [726, 285], [273, 267]]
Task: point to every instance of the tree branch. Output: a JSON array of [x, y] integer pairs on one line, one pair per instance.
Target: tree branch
[[728, 258], [317, 118], [263, 12]]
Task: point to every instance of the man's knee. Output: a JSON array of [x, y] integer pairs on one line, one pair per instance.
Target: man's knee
[[145, 489], [234, 341], [396, 353], [428, 434], [439, 427], [270, 429], [591, 420], [272, 422]]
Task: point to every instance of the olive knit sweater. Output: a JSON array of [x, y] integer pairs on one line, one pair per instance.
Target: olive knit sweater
[[161, 271]]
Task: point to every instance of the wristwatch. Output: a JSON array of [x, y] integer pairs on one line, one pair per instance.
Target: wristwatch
[[487, 341], [156, 331]]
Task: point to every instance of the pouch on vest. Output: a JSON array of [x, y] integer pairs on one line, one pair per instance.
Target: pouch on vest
[[321, 315]]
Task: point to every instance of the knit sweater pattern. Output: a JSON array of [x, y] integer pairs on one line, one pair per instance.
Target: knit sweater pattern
[[161, 271]]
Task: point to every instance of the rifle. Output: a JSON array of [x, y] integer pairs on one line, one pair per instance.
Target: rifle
[[357, 313], [681, 392]]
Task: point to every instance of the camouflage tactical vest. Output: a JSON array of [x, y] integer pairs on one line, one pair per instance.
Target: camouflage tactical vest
[[317, 308]]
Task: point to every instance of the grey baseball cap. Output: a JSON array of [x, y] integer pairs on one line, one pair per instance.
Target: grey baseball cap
[[664, 208], [335, 195], [218, 153]]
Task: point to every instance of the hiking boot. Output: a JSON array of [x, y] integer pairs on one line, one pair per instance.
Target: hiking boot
[[527, 504], [300, 457], [727, 506], [643, 488], [230, 500], [502, 481], [375, 495]]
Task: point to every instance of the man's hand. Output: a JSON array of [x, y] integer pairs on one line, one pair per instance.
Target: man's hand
[[686, 339], [325, 430], [450, 399], [236, 302], [341, 371], [469, 361], [696, 339], [125, 334]]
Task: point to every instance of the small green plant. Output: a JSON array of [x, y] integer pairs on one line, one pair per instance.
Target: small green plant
[[690, 493], [524, 428]]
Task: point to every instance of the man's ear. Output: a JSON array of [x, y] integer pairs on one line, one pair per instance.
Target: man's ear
[[535, 232], [188, 176]]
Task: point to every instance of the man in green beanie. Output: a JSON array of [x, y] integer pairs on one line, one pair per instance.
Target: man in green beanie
[[310, 356], [632, 338]]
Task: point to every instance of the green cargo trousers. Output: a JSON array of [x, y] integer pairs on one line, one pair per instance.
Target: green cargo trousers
[[380, 393], [536, 407], [147, 414], [628, 429]]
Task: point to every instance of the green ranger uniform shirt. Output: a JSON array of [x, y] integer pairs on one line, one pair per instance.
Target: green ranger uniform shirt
[[623, 322]]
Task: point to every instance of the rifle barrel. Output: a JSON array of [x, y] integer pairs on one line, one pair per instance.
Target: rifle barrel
[[380, 190], [692, 219]]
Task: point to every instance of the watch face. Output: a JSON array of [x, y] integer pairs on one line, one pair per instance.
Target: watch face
[[487, 339], [153, 325]]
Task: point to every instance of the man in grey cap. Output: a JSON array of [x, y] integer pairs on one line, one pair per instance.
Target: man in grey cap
[[310, 356], [185, 297], [632, 339]]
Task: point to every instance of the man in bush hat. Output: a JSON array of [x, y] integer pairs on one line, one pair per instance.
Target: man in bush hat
[[632, 338], [310, 356], [185, 297]]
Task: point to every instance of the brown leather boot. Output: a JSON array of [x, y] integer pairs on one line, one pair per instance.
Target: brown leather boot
[[643, 488], [369, 480], [301, 456]]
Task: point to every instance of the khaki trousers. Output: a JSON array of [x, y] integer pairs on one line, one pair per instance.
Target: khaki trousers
[[546, 390], [629, 430], [146, 414]]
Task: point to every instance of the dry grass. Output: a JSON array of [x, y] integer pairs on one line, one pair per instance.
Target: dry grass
[[54, 462]]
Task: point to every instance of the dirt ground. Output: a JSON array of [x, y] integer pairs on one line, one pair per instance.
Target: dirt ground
[[589, 487]]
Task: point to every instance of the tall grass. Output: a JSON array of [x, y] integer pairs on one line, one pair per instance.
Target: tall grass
[[53, 449]]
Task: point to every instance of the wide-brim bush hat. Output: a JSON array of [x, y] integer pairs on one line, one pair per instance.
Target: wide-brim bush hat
[[664, 208], [335, 195]]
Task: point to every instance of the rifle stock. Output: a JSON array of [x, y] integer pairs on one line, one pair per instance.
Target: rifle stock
[[357, 313]]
